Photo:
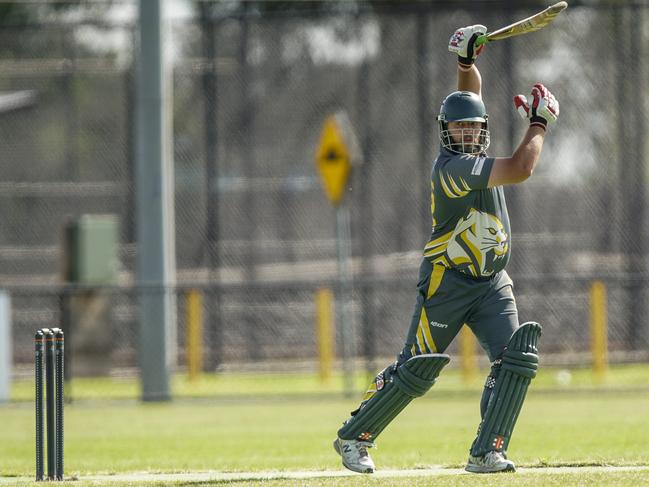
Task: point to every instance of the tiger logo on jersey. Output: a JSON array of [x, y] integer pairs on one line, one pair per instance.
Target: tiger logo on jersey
[[478, 243]]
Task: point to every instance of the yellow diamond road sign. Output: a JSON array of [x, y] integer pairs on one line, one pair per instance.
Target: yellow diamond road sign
[[333, 160]]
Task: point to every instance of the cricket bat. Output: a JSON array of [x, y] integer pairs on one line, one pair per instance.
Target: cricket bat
[[525, 26]]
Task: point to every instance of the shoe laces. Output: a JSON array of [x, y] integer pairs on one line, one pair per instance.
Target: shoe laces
[[362, 447], [494, 456]]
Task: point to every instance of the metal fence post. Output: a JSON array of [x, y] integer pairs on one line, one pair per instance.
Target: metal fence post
[[5, 347]]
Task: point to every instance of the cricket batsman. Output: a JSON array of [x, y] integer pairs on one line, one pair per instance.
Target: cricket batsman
[[462, 278]]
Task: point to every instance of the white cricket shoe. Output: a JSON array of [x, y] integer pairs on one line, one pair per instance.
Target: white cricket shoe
[[355, 456], [490, 462]]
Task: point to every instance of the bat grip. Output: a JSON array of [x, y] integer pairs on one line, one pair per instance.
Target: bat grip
[[482, 39]]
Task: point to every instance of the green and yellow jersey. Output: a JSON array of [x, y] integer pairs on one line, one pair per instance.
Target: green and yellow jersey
[[470, 222]]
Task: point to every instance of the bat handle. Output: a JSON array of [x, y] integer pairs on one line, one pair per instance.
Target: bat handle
[[482, 39]]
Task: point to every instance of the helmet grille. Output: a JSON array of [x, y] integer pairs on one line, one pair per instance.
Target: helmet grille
[[464, 140]]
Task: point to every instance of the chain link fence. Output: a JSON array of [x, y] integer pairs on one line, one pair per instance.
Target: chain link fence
[[254, 232]]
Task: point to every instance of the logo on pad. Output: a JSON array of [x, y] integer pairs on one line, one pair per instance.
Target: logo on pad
[[380, 382], [498, 442]]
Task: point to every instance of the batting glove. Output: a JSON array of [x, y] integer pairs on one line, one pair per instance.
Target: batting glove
[[542, 109], [462, 43]]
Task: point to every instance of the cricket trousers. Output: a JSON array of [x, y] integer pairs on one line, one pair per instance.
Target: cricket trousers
[[448, 299]]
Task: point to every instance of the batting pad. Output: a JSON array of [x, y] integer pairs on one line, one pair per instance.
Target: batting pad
[[411, 379], [519, 365]]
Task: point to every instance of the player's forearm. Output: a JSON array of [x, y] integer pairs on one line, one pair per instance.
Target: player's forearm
[[527, 155], [469, 79], [541, 111]]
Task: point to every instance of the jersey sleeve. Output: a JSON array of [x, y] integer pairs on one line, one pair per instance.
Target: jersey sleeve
[[463, 173]]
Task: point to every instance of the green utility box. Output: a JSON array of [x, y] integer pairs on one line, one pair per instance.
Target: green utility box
[[91, 262], [91, 250]]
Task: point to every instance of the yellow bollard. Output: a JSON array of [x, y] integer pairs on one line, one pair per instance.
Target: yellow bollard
[[325, 331], [598, 329], [467, 355], [194, 342]]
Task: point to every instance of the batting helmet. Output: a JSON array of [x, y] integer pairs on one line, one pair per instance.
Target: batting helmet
[[463, 106]]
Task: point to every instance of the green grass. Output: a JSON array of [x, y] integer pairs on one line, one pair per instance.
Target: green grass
[[528, 479], [287, 423], [505, 480], [305, 383], [630, 479]]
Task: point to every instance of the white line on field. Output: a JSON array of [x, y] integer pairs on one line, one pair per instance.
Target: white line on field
[[312, 474]]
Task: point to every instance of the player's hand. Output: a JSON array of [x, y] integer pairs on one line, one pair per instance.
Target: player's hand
[[542, 109], [462, 43]]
